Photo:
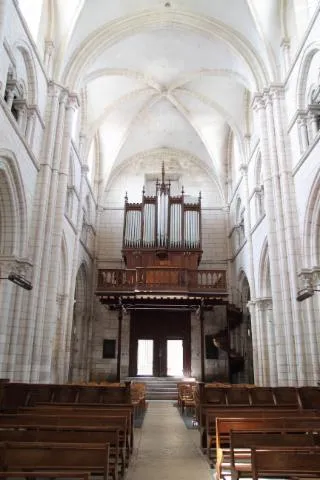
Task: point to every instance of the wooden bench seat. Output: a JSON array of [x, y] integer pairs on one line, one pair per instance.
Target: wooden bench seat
[[208, 432], [285, 462], [49, 474], [241, 442], [15, 395], [224, 427], [87, 410], [70, 421], [31, 456], [41, 433]]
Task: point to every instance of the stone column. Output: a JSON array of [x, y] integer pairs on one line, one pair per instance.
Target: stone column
[[286, 60], [10, 96], [303, 134], [291, 237], [273, 243], [74, 260], [310, 318], [31, 118], [6, 290], [42, 336], [244, 171], [287, 369], [255, 342], [48, 56], [38, 237], [313, 123], [59, 192], [4, 7], [268, 358]]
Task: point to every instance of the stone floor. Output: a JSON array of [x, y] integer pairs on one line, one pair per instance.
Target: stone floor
[[165, 449]]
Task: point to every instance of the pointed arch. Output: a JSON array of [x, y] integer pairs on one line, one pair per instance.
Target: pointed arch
[[311, 237], [13, 207], [31, 81], [244, 288], [301, 88]]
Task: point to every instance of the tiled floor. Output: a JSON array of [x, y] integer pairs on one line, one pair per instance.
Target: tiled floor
[[165, 449]]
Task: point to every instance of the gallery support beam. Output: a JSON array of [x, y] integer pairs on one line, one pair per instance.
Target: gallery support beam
[[120, 316]]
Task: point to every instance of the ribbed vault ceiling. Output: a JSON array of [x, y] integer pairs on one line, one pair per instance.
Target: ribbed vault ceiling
[[175, 74]]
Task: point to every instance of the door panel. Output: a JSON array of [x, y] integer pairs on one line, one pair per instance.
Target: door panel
[[160, 326]]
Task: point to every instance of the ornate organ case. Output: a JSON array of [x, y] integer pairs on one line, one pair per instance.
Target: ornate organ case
[[162, 234]]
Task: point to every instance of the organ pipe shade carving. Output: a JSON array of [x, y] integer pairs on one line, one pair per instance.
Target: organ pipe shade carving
[[163, 221]]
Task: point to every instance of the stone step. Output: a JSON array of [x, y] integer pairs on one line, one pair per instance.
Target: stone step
[[159, 388]]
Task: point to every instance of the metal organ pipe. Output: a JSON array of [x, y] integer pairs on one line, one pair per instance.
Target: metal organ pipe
[[149, 214]]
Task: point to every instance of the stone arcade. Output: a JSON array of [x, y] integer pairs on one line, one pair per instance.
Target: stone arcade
[[95, 97]]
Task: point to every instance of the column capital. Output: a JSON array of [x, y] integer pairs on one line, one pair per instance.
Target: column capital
[[310, 276], [19, 266], [49, 46], [258, 102], [243, 169], [285, 42], [264, 303], [20, 104], [73, 101], [277, 90], [84, 169]]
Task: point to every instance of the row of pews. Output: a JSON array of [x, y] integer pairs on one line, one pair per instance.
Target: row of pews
[[250, 431], [68, 431]]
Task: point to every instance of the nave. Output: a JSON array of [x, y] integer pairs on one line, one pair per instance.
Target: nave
[[165, 449]]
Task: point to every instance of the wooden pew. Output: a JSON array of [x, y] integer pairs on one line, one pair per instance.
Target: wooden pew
[[208, 432], [87, 410], [285, 462], [50, 475], [37, 456], [241, 443], [15, 395], [95, 435], [186, 398], [249, 395], [225, 425], [7, 420]]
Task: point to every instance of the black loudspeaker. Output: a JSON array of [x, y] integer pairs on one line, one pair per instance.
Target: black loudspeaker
[[212, 352]]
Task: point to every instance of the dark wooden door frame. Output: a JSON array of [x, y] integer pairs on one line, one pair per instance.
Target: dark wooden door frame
[[160, 326]]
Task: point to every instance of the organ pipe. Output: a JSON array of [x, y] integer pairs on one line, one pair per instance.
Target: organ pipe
[[168, 222]]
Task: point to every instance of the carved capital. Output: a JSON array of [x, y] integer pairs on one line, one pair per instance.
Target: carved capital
[[264, 303], [73, 101], [258, 102], [243, 169], [18, 266]]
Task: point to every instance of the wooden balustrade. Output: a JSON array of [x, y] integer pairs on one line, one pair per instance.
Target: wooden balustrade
[[160, 278]]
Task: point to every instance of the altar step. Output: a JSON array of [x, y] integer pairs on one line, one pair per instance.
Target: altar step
[[159, 388]]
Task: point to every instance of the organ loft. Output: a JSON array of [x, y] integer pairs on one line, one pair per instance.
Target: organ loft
[[162, 287]]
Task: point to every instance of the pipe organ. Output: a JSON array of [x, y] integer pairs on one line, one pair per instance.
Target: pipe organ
[[162, 230]]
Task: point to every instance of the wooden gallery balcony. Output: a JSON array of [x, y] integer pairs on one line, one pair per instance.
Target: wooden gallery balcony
[[161, 281]]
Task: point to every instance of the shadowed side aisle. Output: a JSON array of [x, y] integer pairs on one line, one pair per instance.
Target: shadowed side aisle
[[165, 449]]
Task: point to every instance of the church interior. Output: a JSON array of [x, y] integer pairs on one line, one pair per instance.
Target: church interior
[[160, 210]]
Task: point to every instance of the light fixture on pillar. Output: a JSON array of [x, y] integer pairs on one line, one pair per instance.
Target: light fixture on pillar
[[18, 280], [310, 278], [305, 293]]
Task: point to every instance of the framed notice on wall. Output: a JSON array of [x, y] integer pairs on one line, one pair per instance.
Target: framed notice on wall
[[109, 348]]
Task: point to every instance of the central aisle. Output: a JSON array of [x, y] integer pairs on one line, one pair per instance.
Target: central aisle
[[165, 449]]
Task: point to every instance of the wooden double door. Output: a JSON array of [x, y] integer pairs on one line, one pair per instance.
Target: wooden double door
[[156, 329]]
